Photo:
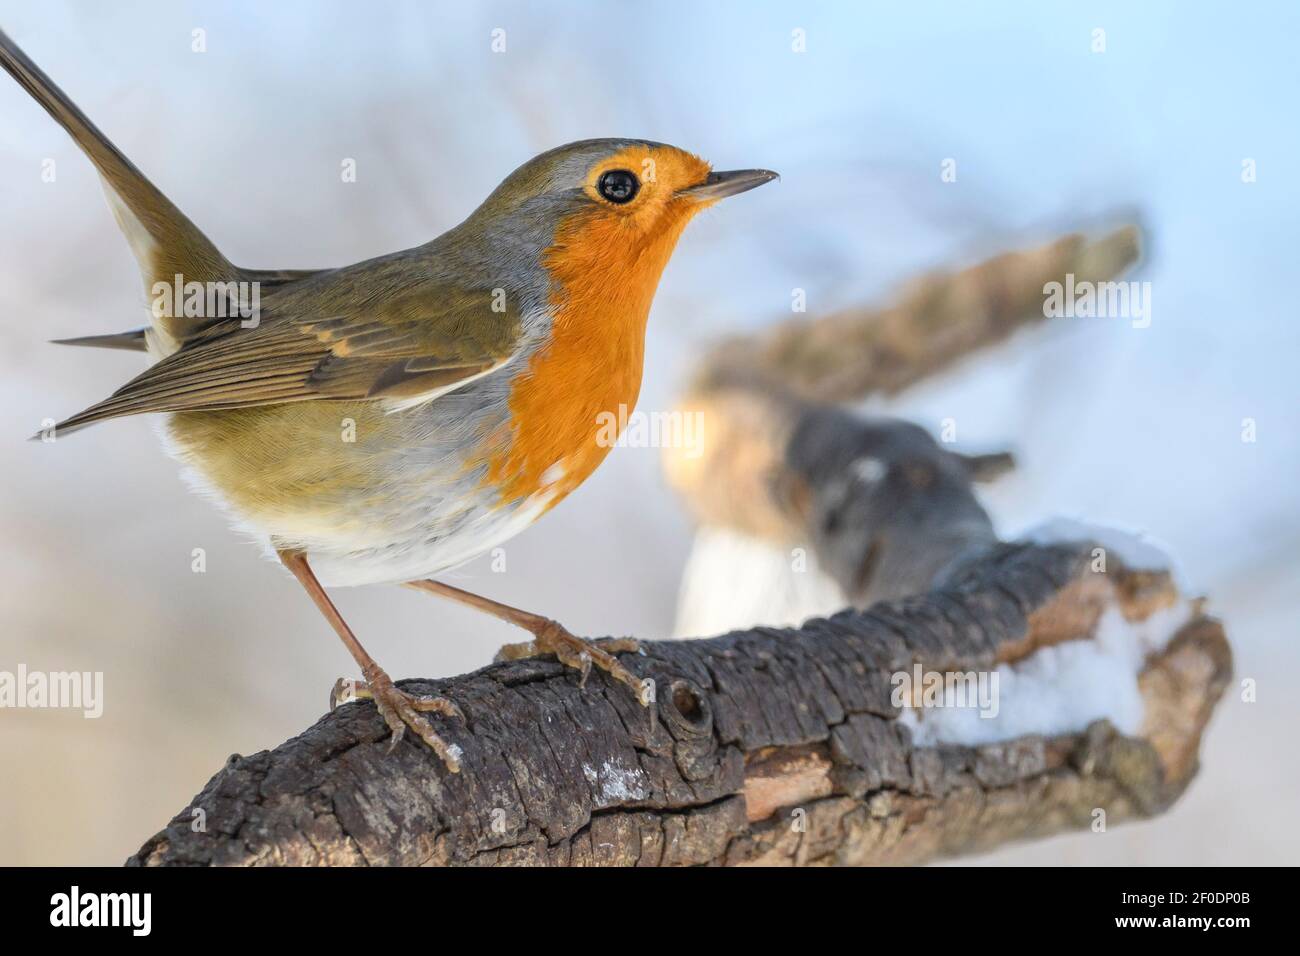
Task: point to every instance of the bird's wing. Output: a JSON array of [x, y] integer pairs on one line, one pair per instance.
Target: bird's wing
[[405, 350], [133, 341]]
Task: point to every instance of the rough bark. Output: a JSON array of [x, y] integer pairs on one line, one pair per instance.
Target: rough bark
[[766, 746]]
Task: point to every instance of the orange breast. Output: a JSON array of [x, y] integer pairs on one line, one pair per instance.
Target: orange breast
[[606, 271]]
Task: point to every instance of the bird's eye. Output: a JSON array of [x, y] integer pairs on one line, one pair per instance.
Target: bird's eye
[[618, 186]]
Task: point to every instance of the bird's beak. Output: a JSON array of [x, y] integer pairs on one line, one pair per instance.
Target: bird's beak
[[721, 185]]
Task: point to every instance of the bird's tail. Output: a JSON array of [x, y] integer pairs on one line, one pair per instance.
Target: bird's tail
[[166, 244]]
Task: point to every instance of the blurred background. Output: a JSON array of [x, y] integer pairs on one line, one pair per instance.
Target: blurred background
[[1138, 428]]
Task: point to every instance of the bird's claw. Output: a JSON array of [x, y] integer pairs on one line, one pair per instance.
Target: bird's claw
[[401, 710], [581, 655]]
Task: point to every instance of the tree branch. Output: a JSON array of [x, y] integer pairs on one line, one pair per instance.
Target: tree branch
[[793, 746], [769, 746]]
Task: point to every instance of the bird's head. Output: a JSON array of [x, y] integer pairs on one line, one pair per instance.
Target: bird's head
[[637, 187], [608, 210]]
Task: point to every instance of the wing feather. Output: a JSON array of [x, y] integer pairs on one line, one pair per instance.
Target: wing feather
[[423, 344]]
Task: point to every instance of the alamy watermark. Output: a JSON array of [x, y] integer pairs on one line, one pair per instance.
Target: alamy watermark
[[208, 300], [949, 689], [1098, 300], [129, 910], [633, 429], [54, 690]]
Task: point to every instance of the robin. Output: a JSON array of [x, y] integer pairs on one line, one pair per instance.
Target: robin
[[382, 422]]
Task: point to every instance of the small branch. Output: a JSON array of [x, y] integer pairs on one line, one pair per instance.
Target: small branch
[[769, 746], [935, 321]]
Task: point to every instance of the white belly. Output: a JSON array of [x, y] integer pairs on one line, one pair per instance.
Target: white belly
[[421, 555]]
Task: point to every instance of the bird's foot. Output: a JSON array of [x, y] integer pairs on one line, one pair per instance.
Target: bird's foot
[[401, 710], [581, 655]]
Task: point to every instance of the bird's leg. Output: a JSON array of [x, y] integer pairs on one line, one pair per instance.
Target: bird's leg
[[550, 637], [398, 708]]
